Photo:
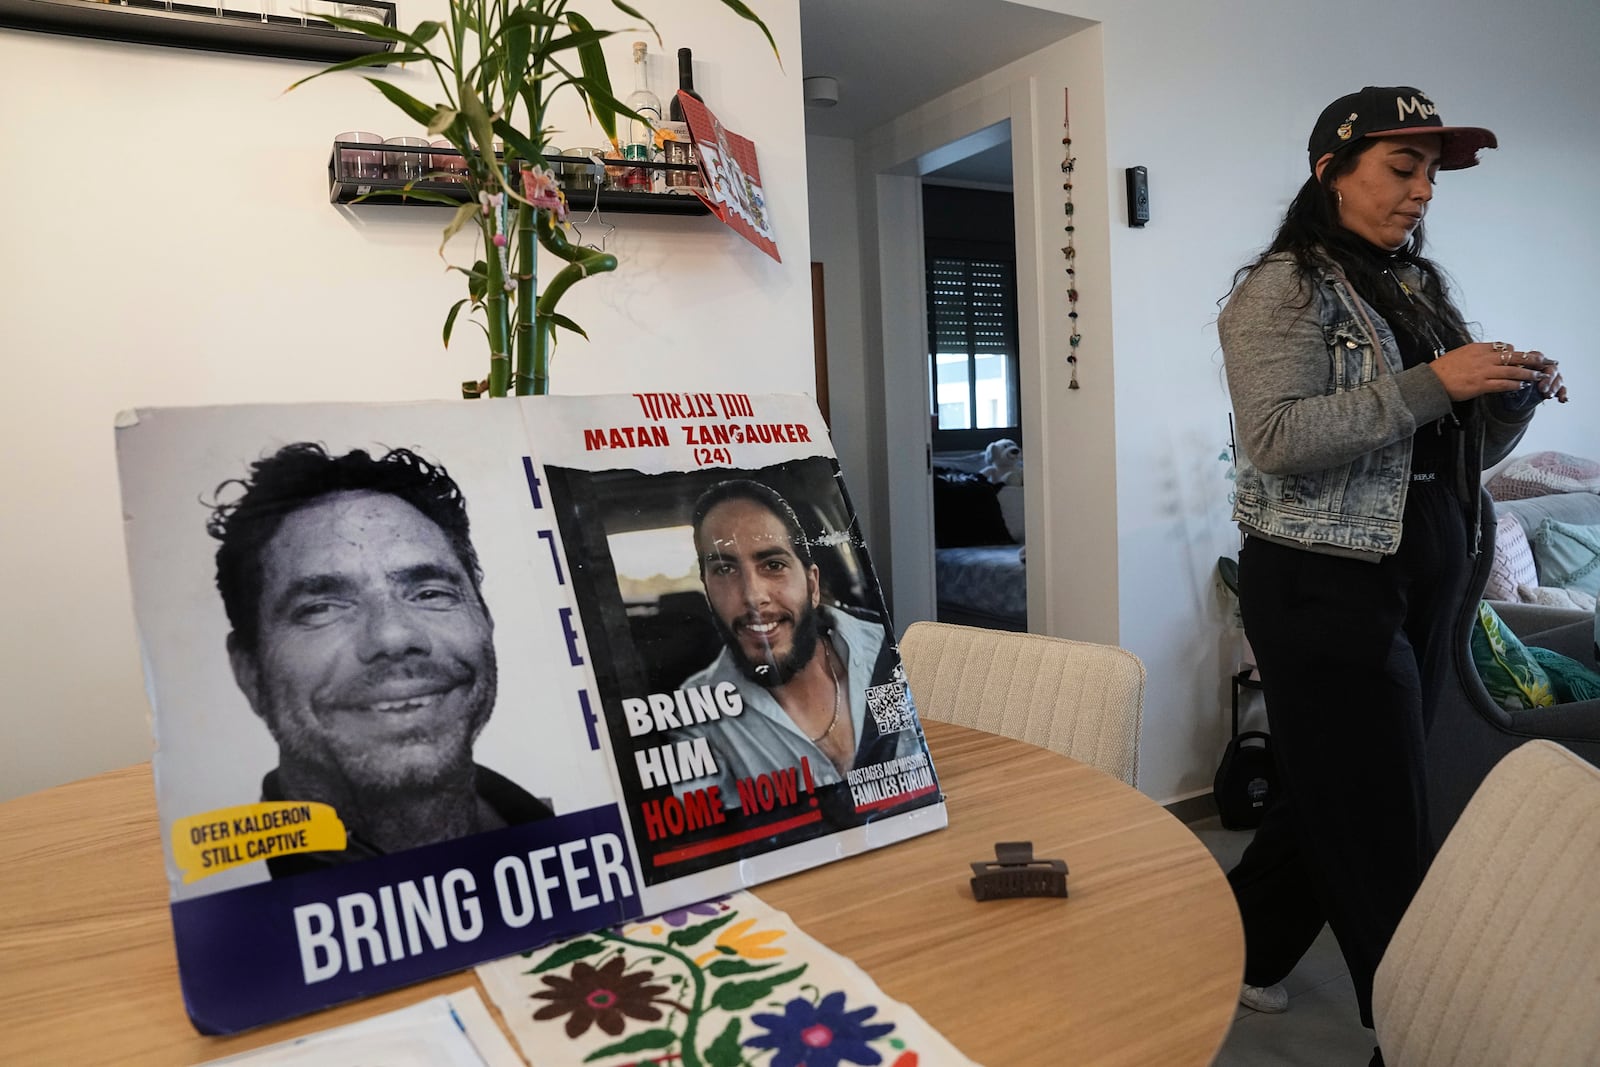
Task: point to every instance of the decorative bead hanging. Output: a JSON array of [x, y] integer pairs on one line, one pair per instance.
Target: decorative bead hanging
[[1068, 162]]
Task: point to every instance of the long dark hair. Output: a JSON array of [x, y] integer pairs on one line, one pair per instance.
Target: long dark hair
[[1311, 234]]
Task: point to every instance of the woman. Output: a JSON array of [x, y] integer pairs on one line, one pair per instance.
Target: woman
[[1365, 416]]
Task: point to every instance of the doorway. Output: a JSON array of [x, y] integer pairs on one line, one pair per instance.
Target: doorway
[[976, 471]]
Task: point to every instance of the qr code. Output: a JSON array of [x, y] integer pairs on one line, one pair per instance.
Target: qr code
[[890, 704]]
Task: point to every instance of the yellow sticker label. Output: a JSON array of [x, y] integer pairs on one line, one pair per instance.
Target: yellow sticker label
[[232, 837]]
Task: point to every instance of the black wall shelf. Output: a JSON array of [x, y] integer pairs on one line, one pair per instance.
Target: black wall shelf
[[344, 188], [194, 26]]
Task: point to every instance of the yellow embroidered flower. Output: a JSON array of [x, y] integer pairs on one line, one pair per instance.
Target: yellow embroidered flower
[[741, 941]]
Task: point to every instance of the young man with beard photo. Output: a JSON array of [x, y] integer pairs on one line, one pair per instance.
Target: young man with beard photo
[[361, 638], [802, 668]]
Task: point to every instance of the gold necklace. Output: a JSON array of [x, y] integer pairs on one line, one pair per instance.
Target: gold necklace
[[838, 692]]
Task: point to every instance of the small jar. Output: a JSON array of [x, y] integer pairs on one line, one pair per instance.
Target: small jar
[[582, 175], [406, 166], [359, 162], [447, 163]]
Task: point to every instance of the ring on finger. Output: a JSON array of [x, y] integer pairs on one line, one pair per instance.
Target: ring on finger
[[1500, 346]]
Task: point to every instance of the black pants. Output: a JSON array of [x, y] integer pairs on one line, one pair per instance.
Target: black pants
[[1350, 655]]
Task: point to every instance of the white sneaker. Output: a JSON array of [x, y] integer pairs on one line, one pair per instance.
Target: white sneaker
[[1270, 999]]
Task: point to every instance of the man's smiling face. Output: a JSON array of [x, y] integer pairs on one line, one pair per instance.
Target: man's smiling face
[[374, 661], [764, 597]]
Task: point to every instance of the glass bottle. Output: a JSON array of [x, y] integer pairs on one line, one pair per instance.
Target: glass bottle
[[680, 149], [641, 132]]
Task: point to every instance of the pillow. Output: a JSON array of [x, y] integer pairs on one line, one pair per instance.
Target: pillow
[[1570, 680], [1543, 473], [966, 511], [1513, 561], [1554, 596], [1568, 555], [1010, 497], [1514, 678]]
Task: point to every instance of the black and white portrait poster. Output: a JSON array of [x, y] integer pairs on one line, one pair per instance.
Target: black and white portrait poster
[[434, 683]]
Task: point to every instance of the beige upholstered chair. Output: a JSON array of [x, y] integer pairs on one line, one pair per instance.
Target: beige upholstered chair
[[1497, 960], [1079, 699]]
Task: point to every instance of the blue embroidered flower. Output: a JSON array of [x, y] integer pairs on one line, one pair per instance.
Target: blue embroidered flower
[[819, 1035]]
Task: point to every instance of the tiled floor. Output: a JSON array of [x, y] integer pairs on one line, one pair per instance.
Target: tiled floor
[[1321, 1028]]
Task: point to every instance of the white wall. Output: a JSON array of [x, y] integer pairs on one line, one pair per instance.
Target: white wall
[[167, 239], [835, 243], [1217, 100]]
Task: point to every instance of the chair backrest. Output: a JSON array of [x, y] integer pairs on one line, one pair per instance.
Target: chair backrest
[[1082, 700], [1497, 960]]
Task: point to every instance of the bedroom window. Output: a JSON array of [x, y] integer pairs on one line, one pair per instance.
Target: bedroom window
[[972, 330]]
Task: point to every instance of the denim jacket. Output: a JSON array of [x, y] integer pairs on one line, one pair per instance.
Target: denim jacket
[[1325, 413]]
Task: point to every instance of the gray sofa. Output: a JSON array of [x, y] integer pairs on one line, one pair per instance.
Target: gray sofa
[[1470, 731], [1582, 509]]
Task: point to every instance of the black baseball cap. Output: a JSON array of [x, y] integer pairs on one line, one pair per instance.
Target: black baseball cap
[[1385, 110]]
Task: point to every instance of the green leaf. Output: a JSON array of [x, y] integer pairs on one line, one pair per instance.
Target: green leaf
[[737, 996], [408, 193], [458, 220], [744, 12], [725, 1051], [625, 9], [450, 319], [419, 112], [580, 40], [368, 28], [693, 935], [568, 953], [443, 118], [519, 42], [527, 16], [641, 1042], [478, 120], [369, 59], [596, 79], [728, 968], [565, 323], [519, 140], [478, 280], [599, 96]]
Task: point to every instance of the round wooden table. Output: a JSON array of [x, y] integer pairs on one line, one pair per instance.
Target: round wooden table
[[1140, 966]]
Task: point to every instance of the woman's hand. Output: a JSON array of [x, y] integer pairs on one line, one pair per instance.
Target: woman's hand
[[1549, 383], [1493, 367]]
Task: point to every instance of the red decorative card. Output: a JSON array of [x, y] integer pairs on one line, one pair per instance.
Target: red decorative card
[[732, 176]]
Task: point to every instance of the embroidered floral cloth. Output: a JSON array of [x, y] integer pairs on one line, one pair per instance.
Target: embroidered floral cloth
[[727, 983]]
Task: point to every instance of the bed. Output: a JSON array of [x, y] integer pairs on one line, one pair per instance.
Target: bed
[[979, 566]]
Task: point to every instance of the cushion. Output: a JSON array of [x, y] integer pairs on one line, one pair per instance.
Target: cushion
[[1010, 497], [1513, 561], [1545, 472], [1553, 596], [1570, 680], [1580, 508], [1514, 678], [966, 511], [1568, 555]]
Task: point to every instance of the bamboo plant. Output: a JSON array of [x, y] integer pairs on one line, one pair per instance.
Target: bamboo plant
[[499, 64]]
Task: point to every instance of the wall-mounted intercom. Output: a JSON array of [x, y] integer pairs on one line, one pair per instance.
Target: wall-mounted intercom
[[1138, 196]]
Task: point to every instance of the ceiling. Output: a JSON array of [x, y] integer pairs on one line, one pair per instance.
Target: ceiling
[[893, 55]]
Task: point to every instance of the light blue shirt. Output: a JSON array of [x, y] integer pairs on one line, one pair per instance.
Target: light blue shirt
[[763, 739]]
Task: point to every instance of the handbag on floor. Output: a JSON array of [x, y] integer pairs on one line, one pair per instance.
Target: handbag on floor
[[1245, 777]]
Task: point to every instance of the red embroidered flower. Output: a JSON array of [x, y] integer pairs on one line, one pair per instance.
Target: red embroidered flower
[[600, 997]]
